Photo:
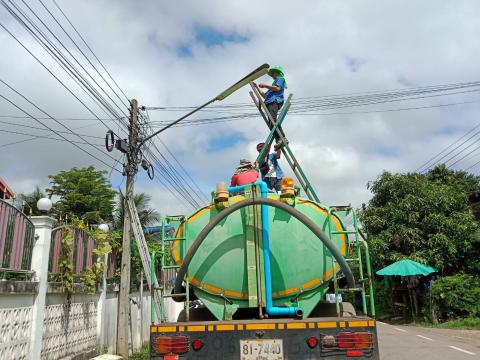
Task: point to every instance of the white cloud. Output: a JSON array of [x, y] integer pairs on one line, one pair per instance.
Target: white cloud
[[393, 43]]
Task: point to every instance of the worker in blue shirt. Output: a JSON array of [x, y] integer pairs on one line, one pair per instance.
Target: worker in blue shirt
[[270, 170], [274, 97]]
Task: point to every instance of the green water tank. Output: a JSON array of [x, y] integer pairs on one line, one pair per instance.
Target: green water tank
[[223, 270]]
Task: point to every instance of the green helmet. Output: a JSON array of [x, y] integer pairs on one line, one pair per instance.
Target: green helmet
[[276, 68]]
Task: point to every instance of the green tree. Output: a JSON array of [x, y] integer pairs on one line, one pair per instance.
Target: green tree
[[29, 201], [425, 217], [84, 193], [146, 213]]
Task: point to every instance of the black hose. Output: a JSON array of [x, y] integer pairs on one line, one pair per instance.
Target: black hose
[[262, 201]]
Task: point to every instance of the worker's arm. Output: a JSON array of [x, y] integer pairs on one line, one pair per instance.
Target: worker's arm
[[270, 87], [233, 182], [260, 91], [278, 153]]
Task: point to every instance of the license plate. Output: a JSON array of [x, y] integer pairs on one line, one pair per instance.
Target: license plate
[[261, 349], [170, 357]]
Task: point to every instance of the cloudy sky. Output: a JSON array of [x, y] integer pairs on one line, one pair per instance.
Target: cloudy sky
[[182, 53]]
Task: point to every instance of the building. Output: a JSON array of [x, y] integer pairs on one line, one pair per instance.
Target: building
[[5, 191]]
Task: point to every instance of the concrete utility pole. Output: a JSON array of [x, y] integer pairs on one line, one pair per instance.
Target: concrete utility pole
[[123, 296]]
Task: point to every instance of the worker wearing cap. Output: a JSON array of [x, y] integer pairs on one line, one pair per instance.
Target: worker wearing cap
[[274, 97], [270, 170], [244, 174]]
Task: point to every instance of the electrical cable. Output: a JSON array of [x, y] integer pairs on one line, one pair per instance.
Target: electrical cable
[[79, 49], [60, 135], [90, 49], [40, 62], [161, 169], [58, 56], [43, 129], [45, 113], [61, 43], [200, 195], [34, 136]]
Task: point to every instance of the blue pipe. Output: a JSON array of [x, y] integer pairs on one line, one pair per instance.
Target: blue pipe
[[271, 310]]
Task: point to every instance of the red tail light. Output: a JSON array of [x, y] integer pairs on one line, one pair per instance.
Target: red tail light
[[312, 342], [352, 344], [354, 353], [363, 340], [345, 340], [197, 344], [171, 344]]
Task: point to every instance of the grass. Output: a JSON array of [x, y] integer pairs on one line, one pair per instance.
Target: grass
[[471, 323], [143, 354]]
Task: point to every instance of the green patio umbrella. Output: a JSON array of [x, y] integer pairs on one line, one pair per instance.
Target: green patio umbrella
[[406, 267]]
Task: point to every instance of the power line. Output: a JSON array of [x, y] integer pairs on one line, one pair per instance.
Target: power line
[[431, 163], [35, 136], [172, 177], [382, 94], [90, 49], [122, 109], [45, 113], [54, 131], [200, 195], [58, 118], [205, 197], [463, 157], [179, 179], [56, 53], [161, 168], [43, 129], [52, 53], [223, 119], [53, 75], [79, 49], [472, 166]]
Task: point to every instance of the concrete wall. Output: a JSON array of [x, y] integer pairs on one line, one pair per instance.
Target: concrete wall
[[79, 331], [37, 323]]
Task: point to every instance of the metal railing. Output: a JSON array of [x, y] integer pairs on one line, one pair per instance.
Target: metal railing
[[112, 262], [82, 255], [17, 237]]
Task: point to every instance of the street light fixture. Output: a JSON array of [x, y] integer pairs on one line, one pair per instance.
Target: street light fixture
[[103, 228], [255, 74], [44, 205]]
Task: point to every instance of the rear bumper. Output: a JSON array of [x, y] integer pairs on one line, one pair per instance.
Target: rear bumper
[[221, 339]]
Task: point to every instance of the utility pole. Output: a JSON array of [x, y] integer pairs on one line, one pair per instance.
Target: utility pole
[[123, 296]]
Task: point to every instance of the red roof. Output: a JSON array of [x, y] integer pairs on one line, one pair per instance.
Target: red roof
[[5, 191]]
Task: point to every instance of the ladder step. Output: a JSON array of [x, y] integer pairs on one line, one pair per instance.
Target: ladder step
[[176, 217], [174, 239], [171, 267], [341, 207], [344, 232], [173, 295], [350, 290]]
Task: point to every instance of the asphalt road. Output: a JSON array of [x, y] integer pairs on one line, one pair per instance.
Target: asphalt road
[[417, 343]]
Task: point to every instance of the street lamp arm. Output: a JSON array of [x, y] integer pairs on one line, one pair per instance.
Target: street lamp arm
[[255, 74]]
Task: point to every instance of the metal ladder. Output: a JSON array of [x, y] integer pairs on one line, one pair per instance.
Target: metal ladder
[[165, 264], [287, 152], [360, 242], [144, 253]]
